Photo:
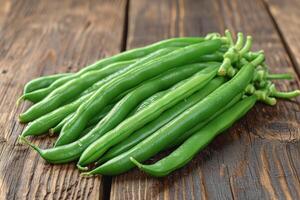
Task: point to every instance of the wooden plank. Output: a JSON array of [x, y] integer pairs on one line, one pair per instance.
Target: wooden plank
[[259, 157], [285, 15], [45, 37], [4, 9]]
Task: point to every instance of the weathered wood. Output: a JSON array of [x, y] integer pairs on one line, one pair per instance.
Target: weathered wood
[[285, 15], [45, 37], [259, 157]]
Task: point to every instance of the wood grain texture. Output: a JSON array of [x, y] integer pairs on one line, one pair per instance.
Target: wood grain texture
[[258, 158], [286, 15], [45, 37]]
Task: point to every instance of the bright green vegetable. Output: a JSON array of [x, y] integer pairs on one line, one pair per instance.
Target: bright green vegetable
[[72, 151], [91, 154], [162, 138], [163, 119], [43, 82], [70, 90], [124, 56], [131, 78], [130, 101], [135, 122], [94, 121], [50, 120], [185, 152]]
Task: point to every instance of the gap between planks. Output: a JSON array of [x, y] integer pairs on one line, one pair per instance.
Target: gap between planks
[[282, 38], [107, 180]]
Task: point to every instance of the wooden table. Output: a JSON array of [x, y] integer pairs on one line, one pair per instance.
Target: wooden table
[[256, 159]]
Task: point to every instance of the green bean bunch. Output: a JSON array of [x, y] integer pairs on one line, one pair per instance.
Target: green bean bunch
[[176, 94]]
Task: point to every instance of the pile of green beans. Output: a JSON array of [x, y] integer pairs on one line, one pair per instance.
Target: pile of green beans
[[176, 94]]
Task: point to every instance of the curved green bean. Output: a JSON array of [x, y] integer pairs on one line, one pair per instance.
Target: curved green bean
[[185, 152], [72, 151], [182, 123], [133, 77], [94, 121], [131, 124], [127, 55], [163, 119], [42, 82], [70, 90], [130, 101], [44, 123], [91, 153]]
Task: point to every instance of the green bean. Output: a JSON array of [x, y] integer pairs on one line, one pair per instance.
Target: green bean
[[148, 101], [182, 123], [95, 120], [215, 57], [72, 151], [140, 107], [283, 95], [44, 123], [185, 152], [164, 118], [70, 90], [279, 76], [58, 127], [42, 82], [91, 154], [125, 56], [131, 124], [187, 134], [133, 77], [164, 81]]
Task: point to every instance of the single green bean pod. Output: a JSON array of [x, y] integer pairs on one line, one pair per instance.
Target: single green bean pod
[[43, 82]]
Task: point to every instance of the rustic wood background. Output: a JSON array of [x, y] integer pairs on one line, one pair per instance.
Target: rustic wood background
[[256, 159]]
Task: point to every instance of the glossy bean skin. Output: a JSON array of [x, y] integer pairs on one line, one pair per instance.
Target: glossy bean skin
[[164, 118], [185, 152], [42, 82], [40, 94], [131, 78], [140, 107], [94, 121], [45, 122], [149, 100], [72, 151], [153, 111], [58, 127], [41, 125], [178, 141], [217, 57], [71, 90], [147, 89], [162, 138]]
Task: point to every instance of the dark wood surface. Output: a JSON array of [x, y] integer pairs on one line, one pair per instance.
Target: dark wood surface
[[258, 158]]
